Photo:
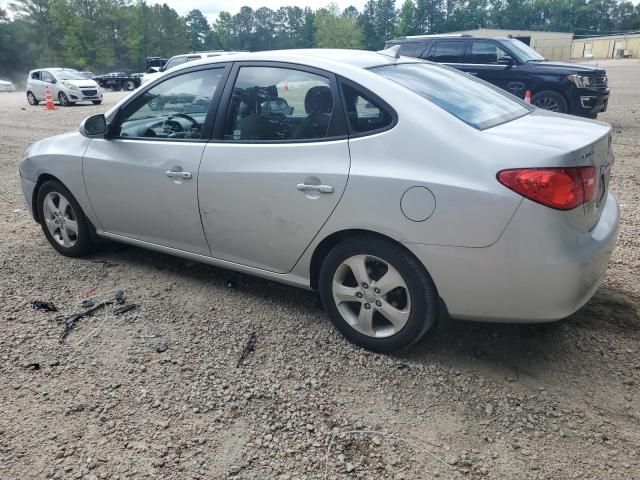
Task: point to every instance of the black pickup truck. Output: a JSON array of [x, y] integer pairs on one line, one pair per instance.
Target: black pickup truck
[[119, 80], [510, 64]]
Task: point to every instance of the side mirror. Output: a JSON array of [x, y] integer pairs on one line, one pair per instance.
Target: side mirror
[[506, 60], [94, 126]]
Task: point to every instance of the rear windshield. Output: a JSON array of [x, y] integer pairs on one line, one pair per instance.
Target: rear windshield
[[474, 102]]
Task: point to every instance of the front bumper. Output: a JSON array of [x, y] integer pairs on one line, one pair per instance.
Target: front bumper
[[590, 102], [27, 191], [528, 275], [81, 97]]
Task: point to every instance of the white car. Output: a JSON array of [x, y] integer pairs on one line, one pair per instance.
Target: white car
[[67, 86], [7, 86], [180, 59]]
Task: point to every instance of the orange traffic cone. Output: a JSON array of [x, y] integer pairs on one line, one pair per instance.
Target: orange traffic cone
[[49, 100], [527, 96]]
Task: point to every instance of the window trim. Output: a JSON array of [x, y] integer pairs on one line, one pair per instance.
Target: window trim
[[207, 128], [338, 115], [374, 97]]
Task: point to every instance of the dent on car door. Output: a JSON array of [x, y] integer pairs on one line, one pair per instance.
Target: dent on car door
[[278, 167], [142, 182]]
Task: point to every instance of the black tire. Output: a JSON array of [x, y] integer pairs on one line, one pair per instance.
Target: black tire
[[31, 98], [129, 85], [550, 100], [96, 102], [83, 241], [424, 299], [64, 100]]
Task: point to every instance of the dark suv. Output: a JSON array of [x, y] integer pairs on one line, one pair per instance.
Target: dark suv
[[510, 64]]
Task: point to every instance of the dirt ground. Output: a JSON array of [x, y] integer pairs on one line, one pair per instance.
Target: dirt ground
[[156, 393]]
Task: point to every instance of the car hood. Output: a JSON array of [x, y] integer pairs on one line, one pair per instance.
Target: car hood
[[82, 83], [550, 129], [567, 67]]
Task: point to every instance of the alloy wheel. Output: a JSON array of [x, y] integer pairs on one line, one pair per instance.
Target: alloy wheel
[[547, 103], [60, 219], [62, 98], [31, 98], [371, 296]]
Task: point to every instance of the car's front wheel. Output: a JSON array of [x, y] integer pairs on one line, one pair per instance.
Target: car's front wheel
[[64, 100], [129, 85], [550, 100], [31, 98], [377, 294], [96, 102], [63, 221]]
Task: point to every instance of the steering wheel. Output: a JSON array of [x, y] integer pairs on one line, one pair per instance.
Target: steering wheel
[[175, 127]]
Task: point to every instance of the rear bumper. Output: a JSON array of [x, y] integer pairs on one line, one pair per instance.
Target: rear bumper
[[528, 275]]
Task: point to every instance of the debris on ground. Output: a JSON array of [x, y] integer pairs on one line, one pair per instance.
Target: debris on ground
[[45, 306], [230, 284], [120, 297], [71, 320], [249, 347], [124, 309]]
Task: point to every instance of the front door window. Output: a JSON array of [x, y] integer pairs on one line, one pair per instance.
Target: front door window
[[176, 108]]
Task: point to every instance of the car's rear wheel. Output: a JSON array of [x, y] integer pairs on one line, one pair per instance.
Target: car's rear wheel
[[129, 85], [64, 100], [63, 221], [377, 294], [31, 98], [550, 100]]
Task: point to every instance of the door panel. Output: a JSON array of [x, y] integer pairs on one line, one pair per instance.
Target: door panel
[[132, 194], [143, 183], [252, 210]]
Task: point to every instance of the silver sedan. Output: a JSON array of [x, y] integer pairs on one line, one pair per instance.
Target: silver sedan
[[400, 190]]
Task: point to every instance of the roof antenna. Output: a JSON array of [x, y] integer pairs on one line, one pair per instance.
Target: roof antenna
[[391, 51]]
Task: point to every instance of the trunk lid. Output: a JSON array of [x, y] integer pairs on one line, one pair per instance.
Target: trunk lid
[[588, 141]]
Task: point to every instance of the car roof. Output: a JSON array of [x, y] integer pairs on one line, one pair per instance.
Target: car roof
[[324, 58], [444, 36]]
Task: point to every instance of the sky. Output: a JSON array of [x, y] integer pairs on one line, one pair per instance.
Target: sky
[[211, 8]]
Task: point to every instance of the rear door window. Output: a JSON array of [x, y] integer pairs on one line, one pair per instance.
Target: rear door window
[[448, 52], [271, 104], [410, 49], [364, 112], [485, 53], [35, 75]]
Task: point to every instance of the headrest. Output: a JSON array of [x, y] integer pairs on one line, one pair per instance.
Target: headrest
[[318, 100]]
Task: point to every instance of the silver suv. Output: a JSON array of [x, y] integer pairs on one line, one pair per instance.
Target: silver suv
[[180, 59], [67, 86]]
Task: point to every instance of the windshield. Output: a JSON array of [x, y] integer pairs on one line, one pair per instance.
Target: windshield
[[69, 75], [474, 102], [524, 52]]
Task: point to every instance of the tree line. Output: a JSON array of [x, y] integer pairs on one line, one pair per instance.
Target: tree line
[[103, 35]]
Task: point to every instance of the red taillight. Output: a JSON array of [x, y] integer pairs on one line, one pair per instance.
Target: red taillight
[[562, 188]]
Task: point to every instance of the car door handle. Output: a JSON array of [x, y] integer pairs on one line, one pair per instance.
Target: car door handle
[[174, 174], [303, 187]]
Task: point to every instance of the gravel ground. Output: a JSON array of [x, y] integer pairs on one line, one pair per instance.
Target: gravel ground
[[156, 393]]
